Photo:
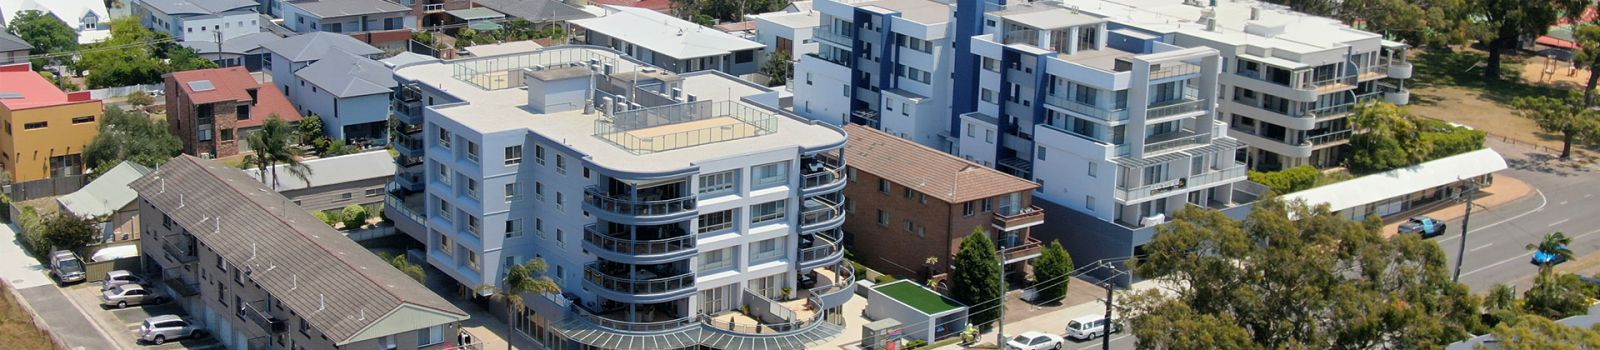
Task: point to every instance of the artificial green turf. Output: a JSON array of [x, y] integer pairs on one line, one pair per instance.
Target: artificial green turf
[[919, 298]]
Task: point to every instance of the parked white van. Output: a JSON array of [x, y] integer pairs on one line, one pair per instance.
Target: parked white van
[[1089, 327]]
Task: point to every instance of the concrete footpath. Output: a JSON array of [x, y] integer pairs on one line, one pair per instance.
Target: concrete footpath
[[29, 281], [1055, 322]]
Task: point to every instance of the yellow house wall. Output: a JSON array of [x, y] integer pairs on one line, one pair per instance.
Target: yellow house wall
[[28, 152]]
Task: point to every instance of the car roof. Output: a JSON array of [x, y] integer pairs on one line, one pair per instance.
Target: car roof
[[163, 318], [1089, 318], [1032, 334], [62, 254], [119, 273], [130, 286]]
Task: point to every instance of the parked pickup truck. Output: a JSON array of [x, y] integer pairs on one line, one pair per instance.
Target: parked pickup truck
[[1425, 226]]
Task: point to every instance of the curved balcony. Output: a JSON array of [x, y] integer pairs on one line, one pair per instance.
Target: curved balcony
[[646, 287], [634, 211], [822, 253], [820, 215], [654, 251], [1400, 70], [840, 287], [634, 327], [827, 178]]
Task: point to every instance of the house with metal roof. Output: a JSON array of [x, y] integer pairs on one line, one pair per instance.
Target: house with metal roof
[[377, 22], [13, 49], [262, 273], [198, 20], [350, 92], [109, 199], [669, 42], [335, 182]]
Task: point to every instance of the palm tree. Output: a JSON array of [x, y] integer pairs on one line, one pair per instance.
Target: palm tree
[[1553, 243], [526, 278], [272, 145]]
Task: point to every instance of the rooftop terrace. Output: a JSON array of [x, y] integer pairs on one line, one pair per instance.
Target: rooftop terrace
[[1294, 31]]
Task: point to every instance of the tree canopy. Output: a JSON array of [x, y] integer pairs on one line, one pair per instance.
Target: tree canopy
[[1396, 138], [70, 232], [1053, 271], [45, 32], [1532, 332], [1564, 116], [131, 136], [1504, 22], [976, 279], [778, 68], [1319, 281]]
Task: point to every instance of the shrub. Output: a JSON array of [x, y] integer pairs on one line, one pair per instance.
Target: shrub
[[355, 216], [1288, 180], [916, 344], [141, 99], [329, 217], [881, 279]]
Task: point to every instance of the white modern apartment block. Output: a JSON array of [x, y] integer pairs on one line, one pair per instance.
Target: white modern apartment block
[[882, 63], [1113, 123], [662, 202], [1289, 79], [189, 20], [668, 42], [787, 31]]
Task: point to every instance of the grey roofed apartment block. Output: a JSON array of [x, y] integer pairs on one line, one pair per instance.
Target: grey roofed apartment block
[[341, 8], [10, 42], [334, 170], [312, 269], [199, 7], [345, 75], [313, 46], [536, 10]]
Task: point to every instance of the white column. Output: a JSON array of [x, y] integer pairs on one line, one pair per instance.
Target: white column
[[1072, 41]]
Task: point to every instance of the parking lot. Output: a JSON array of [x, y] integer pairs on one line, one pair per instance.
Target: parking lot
[[123, 324]]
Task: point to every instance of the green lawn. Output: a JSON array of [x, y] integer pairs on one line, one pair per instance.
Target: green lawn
[[919, 298]]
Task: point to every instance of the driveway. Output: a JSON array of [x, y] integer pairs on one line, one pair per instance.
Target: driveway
[[123, 324]]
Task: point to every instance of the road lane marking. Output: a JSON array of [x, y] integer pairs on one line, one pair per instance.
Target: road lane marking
[[1587, 195], [1480, 248], [1558, 222], [1521, 256], [1542, 202], [1099, 344], [1563, 202]]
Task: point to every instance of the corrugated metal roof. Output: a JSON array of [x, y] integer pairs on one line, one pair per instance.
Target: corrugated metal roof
[[334, 170], [107, 193], [1376, 187]]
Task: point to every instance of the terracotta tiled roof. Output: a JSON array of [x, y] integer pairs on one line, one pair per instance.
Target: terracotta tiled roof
[[233, 84], [736, 26], [938, 174]]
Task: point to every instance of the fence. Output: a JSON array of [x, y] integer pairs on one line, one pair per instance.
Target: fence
[[122, 90], [370, 233], [96, 271], [41, 188]]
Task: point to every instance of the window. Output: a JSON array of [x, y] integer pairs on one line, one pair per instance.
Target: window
[[472, 151], [446, 245], [766, 250], [387, 342], [83, 119], [1093, 168], [561, 164], [474, 225], [511, 192], [769, 175], [513, 228], [966, 208], [883, 218], [850, 174], [1088, 203], [444, 138], [429, 336], [472, 189], [561, 201], [472, 261], [719, 182], [561, 238], [538, 190], [444, 209], [767, 212], [713, 222], [227, 134], [909, 192], [988, 205], [538, 154], [717, 259], [988, 136], [1041, 153], [514, 155], [885, 187], [35, 125], [538, 226], [444, 174], [744, 56], [986, 95], [910, 226], [392, 23], [970, 131], [374, 192], [345, 196], [990, 64]]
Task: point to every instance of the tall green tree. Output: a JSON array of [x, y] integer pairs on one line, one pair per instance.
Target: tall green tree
[[272, 146], [1392, 140], [1319, 281], [1504, 22], [527, 278], [1588, 38], [45, 32], [976, 279], [70, 232], [1176, 326], [135, 59], [131, 136], [1554, 243], [1565, 116], [1053, 270], [181, 58], [1532, 332], [311, 131]]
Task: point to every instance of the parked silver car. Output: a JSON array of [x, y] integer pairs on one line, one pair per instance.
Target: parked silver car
[[66, 267], [118, 278], [160, 329], [129, 294]]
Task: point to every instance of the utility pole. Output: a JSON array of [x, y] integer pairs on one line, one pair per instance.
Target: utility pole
[[218, 33], [1105, 340], [1000, 332], [1461, 253]]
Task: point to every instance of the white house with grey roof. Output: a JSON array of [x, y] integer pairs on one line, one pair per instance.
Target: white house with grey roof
[[346, 16], [13, 49], [668, 42], [199, 19], [350, 94], [260, 273], [88, 17], [244, 50], [336, 182]]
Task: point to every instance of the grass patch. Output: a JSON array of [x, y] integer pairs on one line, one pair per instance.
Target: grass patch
[[17, 330], [919, 298], [1464, 69]]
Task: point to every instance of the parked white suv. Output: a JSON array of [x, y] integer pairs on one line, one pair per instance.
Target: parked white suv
[[160, 329], [1089, 327], [1034, 341]]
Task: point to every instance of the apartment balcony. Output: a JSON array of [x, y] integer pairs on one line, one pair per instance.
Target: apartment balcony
[[836, 285], [260, 314], [1028, 37], [1371, 72], [433, 8], [865, 117], [602, 329], [1130, 195], [1173, 141], [1336, 137], [613, 281], [1027, 250], [1069, 105], [820, 214], [179, 248], [643, 209], [616, 247], [823, 252], [1399, 70], [181, 282], [1027, 217], [844, 37], [409, 146], [1181, 106], [821, 177], [1323, 113], [411, 129], [841, 61]]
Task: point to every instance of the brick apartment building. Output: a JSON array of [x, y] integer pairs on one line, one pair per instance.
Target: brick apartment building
[[908, 202], [212, 110]]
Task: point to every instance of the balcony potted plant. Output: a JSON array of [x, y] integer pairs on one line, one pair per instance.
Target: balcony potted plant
[[786, 291]]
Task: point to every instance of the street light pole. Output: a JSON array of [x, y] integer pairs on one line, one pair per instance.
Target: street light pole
[[1000, 331], [1461, 253], [1105, 339]]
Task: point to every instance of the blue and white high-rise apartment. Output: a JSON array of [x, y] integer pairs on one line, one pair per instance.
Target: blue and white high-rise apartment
[[674, 210]]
